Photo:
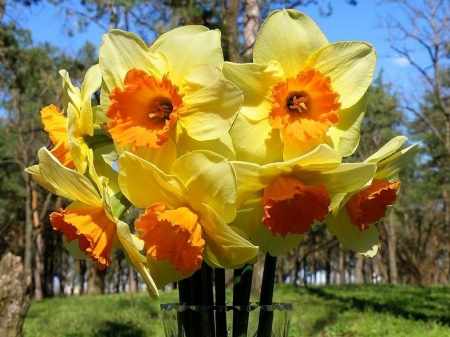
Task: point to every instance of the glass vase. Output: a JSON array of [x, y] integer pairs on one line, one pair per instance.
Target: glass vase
[[251, 320]]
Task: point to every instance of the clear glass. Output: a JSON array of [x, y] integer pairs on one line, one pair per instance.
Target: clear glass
[[252, 320]]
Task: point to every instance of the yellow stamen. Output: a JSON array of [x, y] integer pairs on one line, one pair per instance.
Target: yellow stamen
[[298, 103], [161, 110]]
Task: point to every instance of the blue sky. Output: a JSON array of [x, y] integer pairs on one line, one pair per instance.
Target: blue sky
[[346, 23]]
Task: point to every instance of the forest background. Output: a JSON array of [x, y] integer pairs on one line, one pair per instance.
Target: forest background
[[414, 238]]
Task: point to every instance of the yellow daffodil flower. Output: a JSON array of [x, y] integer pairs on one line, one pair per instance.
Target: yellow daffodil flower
[[186, 214], [156, 98], [280, 202], [352, 221], [89, 224], [68, 133], [301, 91]]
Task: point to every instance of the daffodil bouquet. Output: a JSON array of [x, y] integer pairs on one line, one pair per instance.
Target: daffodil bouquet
[[224, 160]]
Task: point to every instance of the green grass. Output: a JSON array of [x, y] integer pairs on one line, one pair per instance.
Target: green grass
[[323, 311]]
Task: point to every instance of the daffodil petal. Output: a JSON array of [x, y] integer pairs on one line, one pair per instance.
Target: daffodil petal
[[75, 185], [99, 111], [222, 146], [256, 82], [121, 51], [387, 149], [162, 157], [77, 148], [289, 37], [207, 92], [390, 167], [163, 273], [92, 82], [346, 134], [256, 142], [102, 169], [144, 184], [106, 154], [350, 66], [294, 148], [210, 179], [223, 247], [71, 94], [93, 173], [252, 178], [320, 158], [36, 176], [135, 257], [351, 237], [345, 178], [200, 46]]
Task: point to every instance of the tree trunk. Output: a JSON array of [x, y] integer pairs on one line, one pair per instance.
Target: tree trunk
[[392, 248], [341, 265], [379, 270], [38, 272], [132, 284], [28, 224], [279, 270], [446, 243], [14, 295], [2, 9], [258, 270], [359, 264], [96, 279], [118, 276], [252, 22], [298, 267], [367, 271], [50, 239], [312, 267], [83, 270], [231, 32], [328, 269]]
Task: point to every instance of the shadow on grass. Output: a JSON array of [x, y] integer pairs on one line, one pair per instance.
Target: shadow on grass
[[319, 325], [396, 308], [115, 329]]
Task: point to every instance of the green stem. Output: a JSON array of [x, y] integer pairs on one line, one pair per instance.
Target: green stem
[[241, 297], [221, 300], [184, 293], [202, 321], [266, 296], [184, 296]]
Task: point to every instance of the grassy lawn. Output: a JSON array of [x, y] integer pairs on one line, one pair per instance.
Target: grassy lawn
[[357, 310]]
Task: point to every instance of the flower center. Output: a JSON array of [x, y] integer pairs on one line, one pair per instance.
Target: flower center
[[161, 109], [298, 104], [304, 106], [292, 207], [144, 111], [172, 234], [369, 205]]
